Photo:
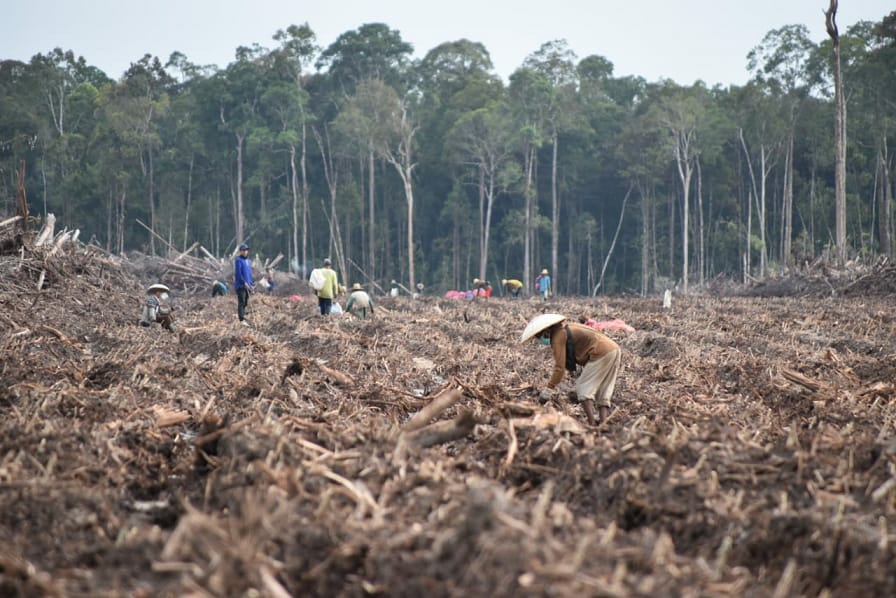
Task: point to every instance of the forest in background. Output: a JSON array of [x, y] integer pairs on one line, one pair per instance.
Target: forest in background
[[437, 171]]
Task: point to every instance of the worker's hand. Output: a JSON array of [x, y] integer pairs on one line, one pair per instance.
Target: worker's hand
[[545, 395]]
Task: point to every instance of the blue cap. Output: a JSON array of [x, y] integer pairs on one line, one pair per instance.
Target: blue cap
[[244, 247]]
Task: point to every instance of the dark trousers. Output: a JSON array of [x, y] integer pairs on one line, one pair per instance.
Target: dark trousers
[[324, 305], [242, 300]]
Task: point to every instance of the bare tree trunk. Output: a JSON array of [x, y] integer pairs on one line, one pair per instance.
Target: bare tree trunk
[[787, 248], [885, 199], [122, 205], [482, 232], [685, 172], [239, 188], [294, 187], [555, 212], [303, 162], [189, 199], [528, 219], [645, 239], [603, 269], [152, 201], [839, 134], [701, 231], [371, 225]]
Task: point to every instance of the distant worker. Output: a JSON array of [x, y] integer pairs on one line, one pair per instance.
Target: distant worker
[[328, 290], [359, 302], [419, 292], [219, 288], [393, 288], [482, 288], [267, 281], [512, 286], [242, 282], [575, 344], [156, 309], [543, 284]]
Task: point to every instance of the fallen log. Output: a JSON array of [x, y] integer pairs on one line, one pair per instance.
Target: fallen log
[[441, 432], [432, 410]]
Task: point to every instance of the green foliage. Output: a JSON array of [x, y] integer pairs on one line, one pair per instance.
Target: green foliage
[[450, 124]]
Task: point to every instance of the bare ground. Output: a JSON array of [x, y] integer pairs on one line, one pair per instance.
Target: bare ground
[[751, 450]]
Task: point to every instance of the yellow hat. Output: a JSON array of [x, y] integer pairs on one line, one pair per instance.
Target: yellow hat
[[545, 271], [356, 287]]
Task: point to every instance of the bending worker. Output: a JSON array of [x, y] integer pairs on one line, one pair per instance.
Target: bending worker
[[576, 344], [513, 287], [359, 302]]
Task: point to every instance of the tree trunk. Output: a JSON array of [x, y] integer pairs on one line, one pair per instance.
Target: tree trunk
[[645, 239], [685, 172], [189, 199], [482, 231], [152, 201], [839, 135], [294, 187], [885, 200], [701, 229], [303, 163], [555, 214], [528, 219], [239, 189], [787, 246], [371, 224]]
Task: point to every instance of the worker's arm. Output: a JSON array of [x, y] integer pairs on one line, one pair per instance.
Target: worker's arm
[[558, 348]]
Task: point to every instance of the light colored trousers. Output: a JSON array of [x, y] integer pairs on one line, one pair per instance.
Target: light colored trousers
[[598, 379]]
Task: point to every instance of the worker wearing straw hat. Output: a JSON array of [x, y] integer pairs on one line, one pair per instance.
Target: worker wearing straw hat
[[359, 302], [574, 345], [543, 284], [155, 309]]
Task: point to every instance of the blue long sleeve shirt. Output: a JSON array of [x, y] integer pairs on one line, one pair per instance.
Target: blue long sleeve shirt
[[242, 273]]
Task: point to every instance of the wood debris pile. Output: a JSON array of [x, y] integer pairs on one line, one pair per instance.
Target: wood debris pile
[[751, 448]]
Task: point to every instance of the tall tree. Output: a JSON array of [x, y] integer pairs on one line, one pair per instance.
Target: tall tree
[[780, 61], [556, 63], [295, 56], [839, 133]]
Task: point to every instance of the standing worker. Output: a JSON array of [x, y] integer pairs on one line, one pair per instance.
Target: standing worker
[[328, 290], [576, 344], [513, 287], [359, 302], [543, 284], [242, 282]]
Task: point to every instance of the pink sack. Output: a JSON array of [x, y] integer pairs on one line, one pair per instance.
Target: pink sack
[[616, 324]]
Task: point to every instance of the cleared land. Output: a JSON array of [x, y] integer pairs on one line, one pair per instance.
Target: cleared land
[[751, 451]]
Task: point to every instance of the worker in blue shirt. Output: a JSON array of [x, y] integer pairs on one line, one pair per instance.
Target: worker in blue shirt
[[242, 281]]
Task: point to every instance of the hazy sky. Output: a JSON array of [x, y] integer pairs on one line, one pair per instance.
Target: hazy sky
[[682, 40]]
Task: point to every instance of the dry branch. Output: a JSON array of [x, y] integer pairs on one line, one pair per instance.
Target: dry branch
[[433, 409], [441, 432]]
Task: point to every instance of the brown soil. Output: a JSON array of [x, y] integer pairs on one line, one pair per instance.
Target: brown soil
[[750, 451]]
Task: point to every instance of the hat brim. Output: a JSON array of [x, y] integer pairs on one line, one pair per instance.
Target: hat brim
[[539, 324], [158, 287]]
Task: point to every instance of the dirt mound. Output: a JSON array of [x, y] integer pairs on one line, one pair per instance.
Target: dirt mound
[[750, 450]]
